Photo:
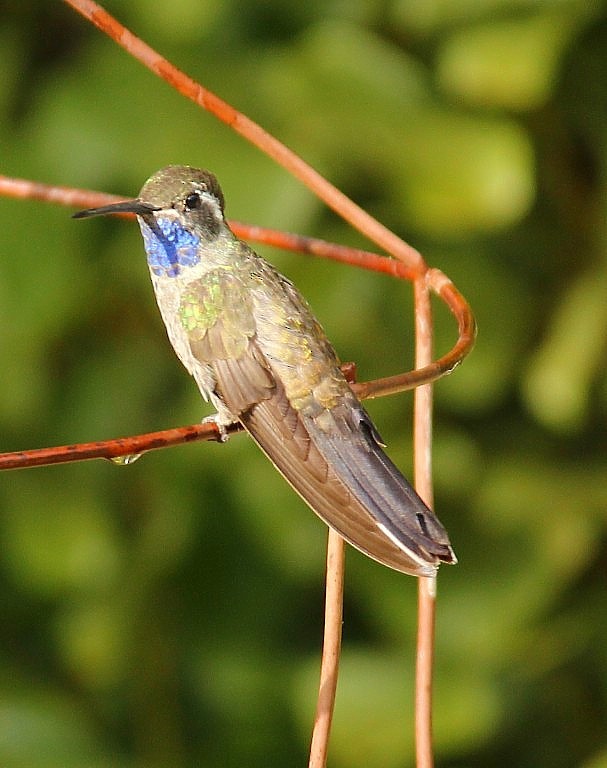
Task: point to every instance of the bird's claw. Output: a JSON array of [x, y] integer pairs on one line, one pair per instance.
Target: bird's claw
[[221, 426]]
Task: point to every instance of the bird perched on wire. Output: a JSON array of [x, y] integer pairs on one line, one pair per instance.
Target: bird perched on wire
[[256, 351]]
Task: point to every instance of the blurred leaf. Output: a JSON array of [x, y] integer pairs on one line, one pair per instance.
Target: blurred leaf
[[73, 549], [561, 374], [46, 731], [510, 64]]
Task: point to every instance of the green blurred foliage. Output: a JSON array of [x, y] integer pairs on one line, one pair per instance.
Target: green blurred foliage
[[169, 613]]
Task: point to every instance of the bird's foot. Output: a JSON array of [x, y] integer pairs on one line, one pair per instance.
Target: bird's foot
[[221, 424]]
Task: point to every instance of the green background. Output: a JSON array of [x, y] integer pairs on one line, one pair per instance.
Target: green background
[[169, 613]]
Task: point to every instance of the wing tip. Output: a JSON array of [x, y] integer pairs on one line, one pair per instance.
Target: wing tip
[[449, 557], [425, 561], [432, 569]]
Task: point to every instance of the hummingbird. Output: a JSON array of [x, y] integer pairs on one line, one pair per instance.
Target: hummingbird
[[257, 352]]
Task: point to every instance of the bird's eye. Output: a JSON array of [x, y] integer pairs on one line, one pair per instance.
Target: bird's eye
[[192, 201]]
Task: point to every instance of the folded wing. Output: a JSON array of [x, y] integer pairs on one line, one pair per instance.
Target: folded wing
[[312, 428]]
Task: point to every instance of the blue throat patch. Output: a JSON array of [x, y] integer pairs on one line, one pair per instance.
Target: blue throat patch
[[169, 247]]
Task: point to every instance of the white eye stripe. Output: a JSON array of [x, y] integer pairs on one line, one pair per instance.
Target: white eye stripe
[[198, 197]]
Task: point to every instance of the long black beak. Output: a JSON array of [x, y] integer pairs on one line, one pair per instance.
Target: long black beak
[[127, 206]]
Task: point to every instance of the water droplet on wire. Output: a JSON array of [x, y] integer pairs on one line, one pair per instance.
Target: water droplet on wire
[[124, 461]]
